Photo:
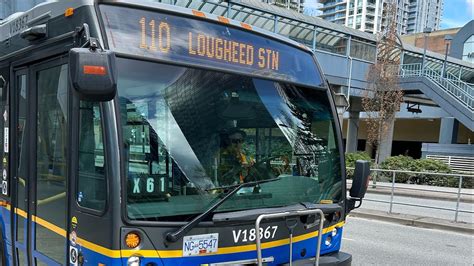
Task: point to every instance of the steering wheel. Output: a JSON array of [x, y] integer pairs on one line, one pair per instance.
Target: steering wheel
[[260, 170]]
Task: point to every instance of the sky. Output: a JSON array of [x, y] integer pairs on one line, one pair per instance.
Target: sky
[[457, 13]]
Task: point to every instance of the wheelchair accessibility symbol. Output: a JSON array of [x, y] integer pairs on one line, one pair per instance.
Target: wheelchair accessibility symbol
[[73, 256]]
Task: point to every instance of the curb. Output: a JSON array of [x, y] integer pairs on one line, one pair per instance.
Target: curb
[[412, 220]]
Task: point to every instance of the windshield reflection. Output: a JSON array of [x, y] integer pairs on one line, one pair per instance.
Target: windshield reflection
[[188, 131]]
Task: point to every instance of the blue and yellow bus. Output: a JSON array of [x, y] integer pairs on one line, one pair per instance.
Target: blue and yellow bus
[[137, 133]]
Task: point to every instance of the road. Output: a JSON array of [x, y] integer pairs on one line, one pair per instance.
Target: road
[[380, 243], [442, 214]]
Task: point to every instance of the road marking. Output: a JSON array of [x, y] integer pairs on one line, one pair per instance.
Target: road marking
[[348, 239]]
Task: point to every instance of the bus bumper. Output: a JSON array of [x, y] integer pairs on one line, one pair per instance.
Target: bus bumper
[[338, 258]]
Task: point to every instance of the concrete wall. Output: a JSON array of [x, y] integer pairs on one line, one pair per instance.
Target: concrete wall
[[421, 130], [435, 40]]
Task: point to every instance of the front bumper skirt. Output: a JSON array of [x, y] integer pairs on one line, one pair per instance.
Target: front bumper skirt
[[333, 259]]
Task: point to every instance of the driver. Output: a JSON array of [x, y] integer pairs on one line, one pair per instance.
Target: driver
[[233, 164]]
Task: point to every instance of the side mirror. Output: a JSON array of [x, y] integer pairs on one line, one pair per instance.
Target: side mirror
[[93, 73], [361, 179]]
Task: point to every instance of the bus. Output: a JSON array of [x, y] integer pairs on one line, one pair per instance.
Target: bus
[[138, 133]]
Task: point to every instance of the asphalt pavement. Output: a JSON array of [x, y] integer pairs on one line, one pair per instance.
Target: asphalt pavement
[[373, 242]]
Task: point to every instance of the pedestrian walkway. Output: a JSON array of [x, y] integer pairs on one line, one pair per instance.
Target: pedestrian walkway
[[419, 205], [420, 191]]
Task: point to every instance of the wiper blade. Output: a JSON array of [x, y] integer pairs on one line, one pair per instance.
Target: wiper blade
[[176, 235], [247, 184]]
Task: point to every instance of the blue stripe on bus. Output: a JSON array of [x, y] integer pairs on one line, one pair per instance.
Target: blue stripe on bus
[[279, 253]]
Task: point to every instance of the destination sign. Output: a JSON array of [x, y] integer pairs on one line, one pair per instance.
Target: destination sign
[[191, 41]]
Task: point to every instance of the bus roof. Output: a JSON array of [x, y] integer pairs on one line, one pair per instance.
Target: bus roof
[[18, 22]]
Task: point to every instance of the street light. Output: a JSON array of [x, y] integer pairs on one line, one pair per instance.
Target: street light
[[447, 39], [426, 32], [342, 103]]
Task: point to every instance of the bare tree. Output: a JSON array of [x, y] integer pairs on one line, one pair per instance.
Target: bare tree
[[383, 95]]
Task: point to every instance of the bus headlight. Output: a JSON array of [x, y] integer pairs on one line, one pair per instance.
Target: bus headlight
[[334, 232], [133, 261]]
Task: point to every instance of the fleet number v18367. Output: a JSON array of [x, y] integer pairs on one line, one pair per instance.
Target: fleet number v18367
[[247, 235]]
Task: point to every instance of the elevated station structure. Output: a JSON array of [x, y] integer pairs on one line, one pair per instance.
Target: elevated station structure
[[443, 89], [345, 55]]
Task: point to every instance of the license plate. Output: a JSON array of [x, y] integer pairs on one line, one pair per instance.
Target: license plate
[[200, 244]]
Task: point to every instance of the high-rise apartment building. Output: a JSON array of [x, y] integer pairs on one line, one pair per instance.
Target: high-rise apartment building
[[334, 11], [8, 7], [370, 15], [296, 5], [423, 14], [401, 7]]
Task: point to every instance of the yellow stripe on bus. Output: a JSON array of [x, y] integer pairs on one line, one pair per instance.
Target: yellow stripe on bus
[[58, 230], [21, 212], [170, 253], [99, 249], [229, 250]]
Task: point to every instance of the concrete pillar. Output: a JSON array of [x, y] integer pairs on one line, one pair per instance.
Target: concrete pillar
[[448, 130], [352, 131], [385, 142], [368, 148], [341, 119]]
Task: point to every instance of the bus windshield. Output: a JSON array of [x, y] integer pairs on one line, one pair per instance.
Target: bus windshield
[[187, 132]]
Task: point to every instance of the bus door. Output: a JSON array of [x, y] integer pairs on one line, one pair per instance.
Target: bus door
[[18, 166], [40, 144]]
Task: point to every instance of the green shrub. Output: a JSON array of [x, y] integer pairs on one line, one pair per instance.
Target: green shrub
[[396, 163], [467, 182], [420, 165], [407, 163], [351, 158], [434, 166]]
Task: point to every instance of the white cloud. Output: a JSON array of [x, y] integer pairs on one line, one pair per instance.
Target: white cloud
[[470, 6]]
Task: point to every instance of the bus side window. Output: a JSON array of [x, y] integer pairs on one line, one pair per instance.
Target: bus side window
[[91, 186]]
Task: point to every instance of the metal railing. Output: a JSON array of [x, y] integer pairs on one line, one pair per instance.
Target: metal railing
[[460, 90], [392, 187], [459, 164]]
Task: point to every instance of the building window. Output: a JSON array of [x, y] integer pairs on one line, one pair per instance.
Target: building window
[[468, 50]]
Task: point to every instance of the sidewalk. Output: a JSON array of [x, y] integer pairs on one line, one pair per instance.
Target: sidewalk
[[413, 220], [420, 191]]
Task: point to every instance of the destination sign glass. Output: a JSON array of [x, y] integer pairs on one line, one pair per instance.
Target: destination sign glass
[[191, 41]]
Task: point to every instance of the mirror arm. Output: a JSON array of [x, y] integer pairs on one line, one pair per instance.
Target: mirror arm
[[94, 44], [82, 36], [351, 204]]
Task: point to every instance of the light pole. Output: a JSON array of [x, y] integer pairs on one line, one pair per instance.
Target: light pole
[[447, 39], [426, 32], [340, 99]]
